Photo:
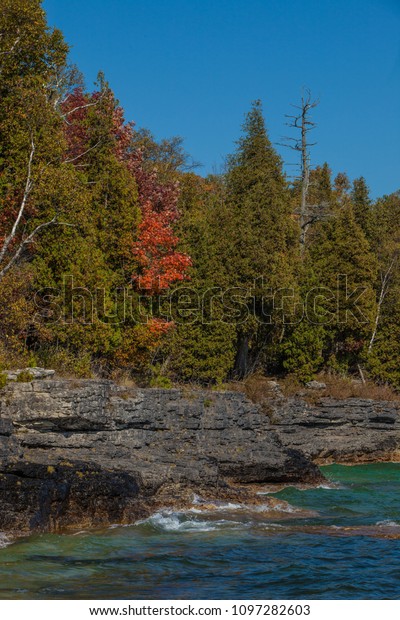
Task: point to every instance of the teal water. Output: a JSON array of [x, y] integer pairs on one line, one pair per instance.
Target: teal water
[[348, 547]]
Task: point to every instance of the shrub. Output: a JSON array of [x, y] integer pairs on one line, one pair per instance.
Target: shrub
[[25, 377]]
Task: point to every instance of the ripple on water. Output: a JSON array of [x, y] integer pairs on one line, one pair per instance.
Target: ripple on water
[[350, 548]]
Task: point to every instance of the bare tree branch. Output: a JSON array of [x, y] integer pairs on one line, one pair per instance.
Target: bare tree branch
[[83, 106], [69, 161], [304, 124], [385, 281], [26, 242], [12, 48], [14, 230], [27, 191]]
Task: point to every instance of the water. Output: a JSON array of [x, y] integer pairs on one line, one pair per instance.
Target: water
[[340, 542]]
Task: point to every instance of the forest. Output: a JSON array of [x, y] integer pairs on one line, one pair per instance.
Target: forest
[[118, 259]]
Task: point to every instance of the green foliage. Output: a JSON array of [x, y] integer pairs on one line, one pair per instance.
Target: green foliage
[[202, 353], [66, 362], [24, 377], [346, 268], [158, 380], [257, 243], [92, 175], [3, 381], [302, 351], [362, 205], [384, 351]]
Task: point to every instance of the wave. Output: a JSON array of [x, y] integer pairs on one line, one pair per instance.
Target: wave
[[202, 506], [388, 523], [209, 516], [331, 486], [170, 521], [281, 507], [4, 541], [326, 486]]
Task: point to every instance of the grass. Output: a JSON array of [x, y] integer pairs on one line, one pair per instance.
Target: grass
[[340, 388], [259, 388]]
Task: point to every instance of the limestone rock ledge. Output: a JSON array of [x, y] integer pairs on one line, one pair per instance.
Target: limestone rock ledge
[[89, 453], [338, 431]]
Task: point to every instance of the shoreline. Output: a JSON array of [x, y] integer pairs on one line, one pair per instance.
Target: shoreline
[[88, 454]]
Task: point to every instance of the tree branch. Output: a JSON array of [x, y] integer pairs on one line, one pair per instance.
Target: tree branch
[[69, 161], [27, 191], [27, 241]]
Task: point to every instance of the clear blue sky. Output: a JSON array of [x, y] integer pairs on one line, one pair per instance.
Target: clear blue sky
[[192, 68]]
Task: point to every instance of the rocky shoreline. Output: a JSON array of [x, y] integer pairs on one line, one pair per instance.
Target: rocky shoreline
[[89, 453]]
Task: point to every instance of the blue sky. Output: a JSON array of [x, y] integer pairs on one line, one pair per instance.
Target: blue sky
[[192, 68]]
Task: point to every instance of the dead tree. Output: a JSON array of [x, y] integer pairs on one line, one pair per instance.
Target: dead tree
[[302, 122]]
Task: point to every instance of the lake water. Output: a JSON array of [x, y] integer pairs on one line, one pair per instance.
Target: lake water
[[339, 542]]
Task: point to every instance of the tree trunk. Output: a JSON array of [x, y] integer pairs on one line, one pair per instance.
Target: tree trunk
[[242, 356]]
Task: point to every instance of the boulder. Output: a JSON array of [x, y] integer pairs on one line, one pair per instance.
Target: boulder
[[316, 385], [36, 373]]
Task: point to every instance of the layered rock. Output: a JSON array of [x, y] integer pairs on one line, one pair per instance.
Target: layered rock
[[90, 453], [338, 431]]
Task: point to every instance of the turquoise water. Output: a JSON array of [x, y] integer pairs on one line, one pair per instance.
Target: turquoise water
[[347, 547]]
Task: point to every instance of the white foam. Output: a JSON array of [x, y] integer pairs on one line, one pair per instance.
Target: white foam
[[215, 507], [212, 507], [178, 522], [285, 508], [4, 540], [388, 523], [329, 486], [273, 528]]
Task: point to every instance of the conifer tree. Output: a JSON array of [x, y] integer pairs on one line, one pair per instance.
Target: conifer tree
[[384, 342], [258, 236], [346, 268], [362, 205]]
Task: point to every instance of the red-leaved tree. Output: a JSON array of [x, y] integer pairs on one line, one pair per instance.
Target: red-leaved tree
[[94, 120]]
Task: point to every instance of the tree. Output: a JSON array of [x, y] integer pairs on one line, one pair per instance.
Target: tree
[[130, 213], [202, 346], [346, 268], [383, 346], [257, 238], [31, 144], [308, 210], [362, 205]]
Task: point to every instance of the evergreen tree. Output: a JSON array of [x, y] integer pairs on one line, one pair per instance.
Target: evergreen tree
[[258, 241], [384, 342], [202, 346], [346, 268], [362, 205]]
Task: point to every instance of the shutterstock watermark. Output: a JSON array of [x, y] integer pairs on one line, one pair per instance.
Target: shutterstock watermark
[[187, 305]]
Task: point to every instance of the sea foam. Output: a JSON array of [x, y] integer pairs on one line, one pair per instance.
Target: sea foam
[[4, 540], [170, 521]]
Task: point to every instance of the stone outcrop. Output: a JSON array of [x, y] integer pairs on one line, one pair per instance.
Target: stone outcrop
[[338, 431], [90, 453], [33, 373]]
